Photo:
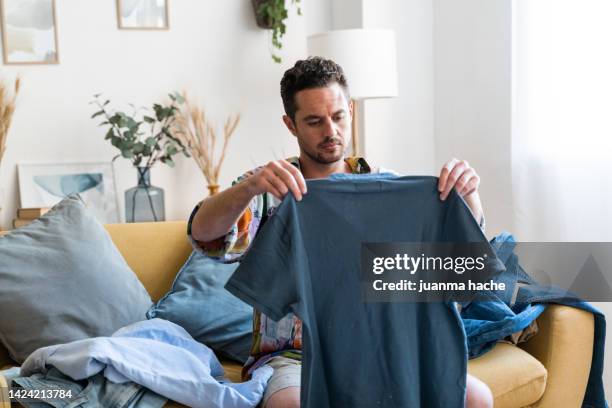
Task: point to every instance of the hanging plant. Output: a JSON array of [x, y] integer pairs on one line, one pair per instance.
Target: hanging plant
[[271, 14]]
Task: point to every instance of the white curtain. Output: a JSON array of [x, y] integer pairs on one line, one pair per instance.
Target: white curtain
[[562, 120], [562, 126]]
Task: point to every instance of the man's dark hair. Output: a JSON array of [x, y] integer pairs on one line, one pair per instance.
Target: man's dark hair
[[313, 72]]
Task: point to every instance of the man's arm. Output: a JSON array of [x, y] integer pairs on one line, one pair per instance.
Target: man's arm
[[217, 214]]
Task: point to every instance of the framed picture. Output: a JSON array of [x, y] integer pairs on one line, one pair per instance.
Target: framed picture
[[29, 31], [44, 185], [142, 14]]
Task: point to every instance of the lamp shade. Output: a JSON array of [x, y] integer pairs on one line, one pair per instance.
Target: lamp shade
[[368, 58]]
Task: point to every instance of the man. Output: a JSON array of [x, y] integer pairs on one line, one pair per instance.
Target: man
[[318, 112]]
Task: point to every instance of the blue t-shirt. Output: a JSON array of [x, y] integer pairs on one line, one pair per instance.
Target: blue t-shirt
[[306, 260]]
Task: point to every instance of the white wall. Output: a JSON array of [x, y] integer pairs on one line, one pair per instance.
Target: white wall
[[473, 90], [399, 132], [213, 49]]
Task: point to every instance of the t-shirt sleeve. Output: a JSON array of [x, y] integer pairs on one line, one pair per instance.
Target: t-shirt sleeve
[[460, 226], [267, 277], [235, 243]]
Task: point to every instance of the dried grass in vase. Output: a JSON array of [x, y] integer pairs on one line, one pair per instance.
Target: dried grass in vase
[[199, 135], [7, 108]]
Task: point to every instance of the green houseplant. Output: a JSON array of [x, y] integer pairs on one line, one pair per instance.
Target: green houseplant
[[271, 14], [144, 137]]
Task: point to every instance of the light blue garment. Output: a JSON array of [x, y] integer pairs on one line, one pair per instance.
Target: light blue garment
[[158, 355]]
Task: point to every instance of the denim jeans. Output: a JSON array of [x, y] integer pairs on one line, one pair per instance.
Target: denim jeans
[[500, 314], [95, 391]]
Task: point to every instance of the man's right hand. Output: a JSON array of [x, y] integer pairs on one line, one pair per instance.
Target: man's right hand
[[277, 178]]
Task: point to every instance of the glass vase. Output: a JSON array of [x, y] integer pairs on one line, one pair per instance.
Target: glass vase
[[144, 202]]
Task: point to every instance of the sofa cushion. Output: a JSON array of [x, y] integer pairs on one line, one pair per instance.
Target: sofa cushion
[[515, 377], [62, 279], [199, 302]]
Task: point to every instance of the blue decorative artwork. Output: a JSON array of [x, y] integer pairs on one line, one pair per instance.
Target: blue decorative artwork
[[44, 185], [62, 185]]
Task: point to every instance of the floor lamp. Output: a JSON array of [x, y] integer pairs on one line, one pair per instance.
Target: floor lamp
[[368, 58]]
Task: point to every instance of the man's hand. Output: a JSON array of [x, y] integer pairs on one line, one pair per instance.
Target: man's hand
[[278, 178], [458, 174]]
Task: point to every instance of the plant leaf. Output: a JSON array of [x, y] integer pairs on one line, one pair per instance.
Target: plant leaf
[[128, 154], [168, 161], [171, 150], [138, 147]]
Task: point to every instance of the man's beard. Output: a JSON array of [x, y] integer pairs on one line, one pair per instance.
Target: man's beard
[[323, 157]]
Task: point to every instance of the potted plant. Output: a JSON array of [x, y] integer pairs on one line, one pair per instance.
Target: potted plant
[[271, 14], [143, 137]]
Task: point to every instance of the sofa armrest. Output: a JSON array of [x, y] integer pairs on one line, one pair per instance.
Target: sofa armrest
[[564, 345]]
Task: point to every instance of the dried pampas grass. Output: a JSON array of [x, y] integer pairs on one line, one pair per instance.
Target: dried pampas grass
[[8, 100], [199, 136]]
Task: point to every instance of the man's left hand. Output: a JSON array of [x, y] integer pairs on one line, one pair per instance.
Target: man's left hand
[[458, 174]]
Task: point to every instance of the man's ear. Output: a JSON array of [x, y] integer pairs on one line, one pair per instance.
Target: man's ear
[[290, 125], [351, 107]]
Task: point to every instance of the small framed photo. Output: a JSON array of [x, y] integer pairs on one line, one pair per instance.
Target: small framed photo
[[29, 31], [142, 14], [44, 185]]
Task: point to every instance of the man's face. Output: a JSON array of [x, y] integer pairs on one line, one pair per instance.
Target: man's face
[[322, 123]]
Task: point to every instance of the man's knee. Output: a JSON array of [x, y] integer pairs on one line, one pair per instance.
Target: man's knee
[[286, 398], [478, 394]]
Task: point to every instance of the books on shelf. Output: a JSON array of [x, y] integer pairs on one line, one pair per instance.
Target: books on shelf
[[27, 215], [30, 213], [20, 222]]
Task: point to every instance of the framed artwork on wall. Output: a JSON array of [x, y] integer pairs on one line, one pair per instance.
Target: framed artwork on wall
[[142, 14], [29, 32], [44, 185]]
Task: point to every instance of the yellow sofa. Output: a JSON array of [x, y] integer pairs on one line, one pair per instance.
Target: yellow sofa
[[550, 370]]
